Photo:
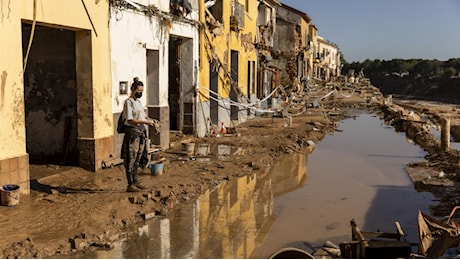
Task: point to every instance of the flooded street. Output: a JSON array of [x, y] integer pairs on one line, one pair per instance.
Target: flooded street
[[304, 200], [355, 174]]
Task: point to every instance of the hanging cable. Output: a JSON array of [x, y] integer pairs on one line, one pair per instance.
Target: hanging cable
[[89, 17], [31, 37]]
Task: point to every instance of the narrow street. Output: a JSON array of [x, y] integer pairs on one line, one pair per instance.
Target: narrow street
[[90, 210]]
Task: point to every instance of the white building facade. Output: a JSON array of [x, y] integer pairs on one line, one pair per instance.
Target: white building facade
[[156, 41]]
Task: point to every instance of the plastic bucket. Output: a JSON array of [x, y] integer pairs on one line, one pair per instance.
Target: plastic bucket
[[156, 168], [10, 195], [188, 148]]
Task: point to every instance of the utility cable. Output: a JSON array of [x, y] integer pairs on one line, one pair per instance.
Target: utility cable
[[31, 37]]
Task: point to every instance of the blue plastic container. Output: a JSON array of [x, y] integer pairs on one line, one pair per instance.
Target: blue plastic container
[[9, 195], [156, 168]]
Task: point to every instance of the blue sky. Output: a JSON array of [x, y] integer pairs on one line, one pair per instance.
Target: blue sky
[[387, 29]]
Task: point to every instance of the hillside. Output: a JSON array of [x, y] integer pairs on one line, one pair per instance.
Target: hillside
[[422, 79], [443, 90]]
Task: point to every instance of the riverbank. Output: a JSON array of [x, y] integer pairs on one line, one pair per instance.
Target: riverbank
[[71, 210], [439, 173]]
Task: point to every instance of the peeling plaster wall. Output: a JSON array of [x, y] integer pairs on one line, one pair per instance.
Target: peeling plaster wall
[[12, 128], [243, 42]]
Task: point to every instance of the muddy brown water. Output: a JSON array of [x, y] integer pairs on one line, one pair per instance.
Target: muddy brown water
[[304, 200], [355, 174]]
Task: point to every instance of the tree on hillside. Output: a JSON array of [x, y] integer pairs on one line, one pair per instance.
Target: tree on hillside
[[449, 72], [428, 68]]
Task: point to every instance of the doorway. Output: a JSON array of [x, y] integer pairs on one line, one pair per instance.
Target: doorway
[[234, 85], [50, 96], [181, 89], [214, 97]]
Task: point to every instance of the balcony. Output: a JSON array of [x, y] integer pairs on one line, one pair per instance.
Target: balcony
[[237, 17]]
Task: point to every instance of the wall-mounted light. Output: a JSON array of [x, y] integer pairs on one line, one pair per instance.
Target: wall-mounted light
[[123, 88]]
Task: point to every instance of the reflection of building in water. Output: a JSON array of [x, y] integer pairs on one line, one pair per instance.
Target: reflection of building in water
[[184, 232], [263, 205], [227, 222], [289, 173], [152, 240], [164, 234]]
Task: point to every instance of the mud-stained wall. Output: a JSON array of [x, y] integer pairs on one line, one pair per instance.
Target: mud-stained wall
[[12, 128], [89, 17], [242, 41]]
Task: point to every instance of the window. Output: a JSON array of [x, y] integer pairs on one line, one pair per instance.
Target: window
[[217, 11]]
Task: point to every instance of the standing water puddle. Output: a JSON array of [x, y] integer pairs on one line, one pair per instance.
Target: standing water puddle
[[357, 173], [354, 174]]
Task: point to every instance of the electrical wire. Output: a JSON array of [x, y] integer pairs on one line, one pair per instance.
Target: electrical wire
[[31, 37]]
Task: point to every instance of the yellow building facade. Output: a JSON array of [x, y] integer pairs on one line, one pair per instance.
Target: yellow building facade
[[227, 59], [54, 84]]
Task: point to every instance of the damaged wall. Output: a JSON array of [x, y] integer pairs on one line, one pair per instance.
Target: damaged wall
[[292, 44], [284, 54], [219, 38]]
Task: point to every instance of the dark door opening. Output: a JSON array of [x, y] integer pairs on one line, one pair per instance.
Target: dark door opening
[[50, 96], [234, 85], [174, 91], [214, 86], [182, 95]]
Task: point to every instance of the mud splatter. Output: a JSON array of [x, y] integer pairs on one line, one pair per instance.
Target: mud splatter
[[18, 113], [2, 88]]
